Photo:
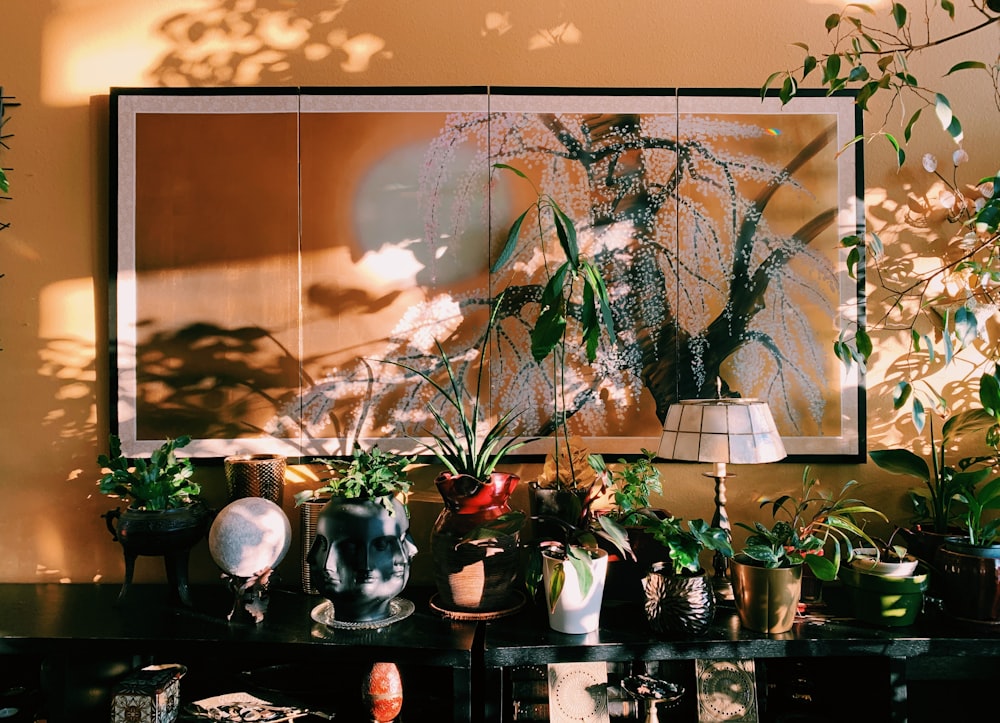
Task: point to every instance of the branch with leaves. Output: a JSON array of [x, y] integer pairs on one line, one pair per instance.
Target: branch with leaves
[[871, 53]]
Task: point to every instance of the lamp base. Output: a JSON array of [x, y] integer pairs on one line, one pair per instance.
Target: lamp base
[[723, 589]]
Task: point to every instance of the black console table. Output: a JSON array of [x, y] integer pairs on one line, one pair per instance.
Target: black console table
[[874, 667], [83, 639]]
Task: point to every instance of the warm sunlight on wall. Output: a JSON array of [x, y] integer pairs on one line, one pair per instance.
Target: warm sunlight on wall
[[88, 46]]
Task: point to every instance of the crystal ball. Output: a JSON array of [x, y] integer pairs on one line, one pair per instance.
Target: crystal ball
[[249, 536]]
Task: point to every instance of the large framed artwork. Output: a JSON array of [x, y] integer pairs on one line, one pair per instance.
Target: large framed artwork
[[284, 259]]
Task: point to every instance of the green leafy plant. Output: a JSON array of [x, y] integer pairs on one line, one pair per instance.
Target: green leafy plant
[[632, 483], [780, 545], [982, 532], [815, 519], [581, 536], [163, 482], [870, 52], [371, 474], [574, 289], [462, 448], [685, 546], [945, 484]]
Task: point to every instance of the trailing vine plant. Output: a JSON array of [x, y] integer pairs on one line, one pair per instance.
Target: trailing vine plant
[[871, 52]]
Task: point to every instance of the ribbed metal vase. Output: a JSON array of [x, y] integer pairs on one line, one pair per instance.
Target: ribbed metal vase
[[678, 604]]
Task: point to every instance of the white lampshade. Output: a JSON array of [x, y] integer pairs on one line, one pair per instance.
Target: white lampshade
[[731, 431]]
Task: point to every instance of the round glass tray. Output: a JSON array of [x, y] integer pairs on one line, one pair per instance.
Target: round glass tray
[[399, 609]]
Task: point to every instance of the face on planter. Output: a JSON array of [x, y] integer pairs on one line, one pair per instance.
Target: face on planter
[[361, 558]]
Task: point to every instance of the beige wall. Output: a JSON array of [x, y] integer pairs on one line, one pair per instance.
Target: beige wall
[[60, 56]]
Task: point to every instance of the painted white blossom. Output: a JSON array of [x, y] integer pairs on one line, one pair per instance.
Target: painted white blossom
[[929, 162], [959, 157]]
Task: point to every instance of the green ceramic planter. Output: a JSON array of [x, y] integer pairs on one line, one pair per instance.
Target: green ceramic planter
[[885, 601]]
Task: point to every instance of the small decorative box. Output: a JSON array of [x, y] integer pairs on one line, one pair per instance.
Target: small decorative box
[[150, 695]]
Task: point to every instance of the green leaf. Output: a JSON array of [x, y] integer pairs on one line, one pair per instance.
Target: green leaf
[[947, 119], [821, 567], [853, 259], [858, 73], [767, 83], [566, 231], [948, 7], [918, 415], [966, 327], [551, 322], [557, 579], [832, 68], [580, 559], [966, 65], [908, 131], [901, 394], [901, 461], [808, 65], [788, 90], [899, 14], [832, 21], [512, 237], [900, 153], [864, 343]]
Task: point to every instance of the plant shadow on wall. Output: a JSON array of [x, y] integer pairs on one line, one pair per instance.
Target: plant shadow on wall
[[262, 42], [728, 305], [932, 259]]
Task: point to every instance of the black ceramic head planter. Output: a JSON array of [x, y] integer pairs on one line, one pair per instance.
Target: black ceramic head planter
[[360, 559]]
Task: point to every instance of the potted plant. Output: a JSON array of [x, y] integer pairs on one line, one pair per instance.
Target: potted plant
[[574, 290], [767, 574], [886, 558], [628, 486], [572, 567], [679, 597], [474, 541], [970, 566], [360, 557], [938, 505], [885, 583], [164, 516]]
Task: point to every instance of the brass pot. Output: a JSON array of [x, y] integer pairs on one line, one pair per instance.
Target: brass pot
[[766, 598]]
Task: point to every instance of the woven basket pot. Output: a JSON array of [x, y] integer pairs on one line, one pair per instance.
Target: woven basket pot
[[474, 575]]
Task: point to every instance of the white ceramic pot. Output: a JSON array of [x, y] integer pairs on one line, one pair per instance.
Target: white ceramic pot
[[866, 560], [575, 612]]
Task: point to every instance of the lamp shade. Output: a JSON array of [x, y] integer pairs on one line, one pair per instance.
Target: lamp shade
[[736, 431]]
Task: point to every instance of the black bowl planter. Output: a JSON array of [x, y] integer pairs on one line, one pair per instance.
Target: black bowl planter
[[167, 533]]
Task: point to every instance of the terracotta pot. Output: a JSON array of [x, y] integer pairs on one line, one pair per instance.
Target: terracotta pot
[[970, 585], [167, 533], [575, 611], [475, 575], [678, 603], [766, 598]]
